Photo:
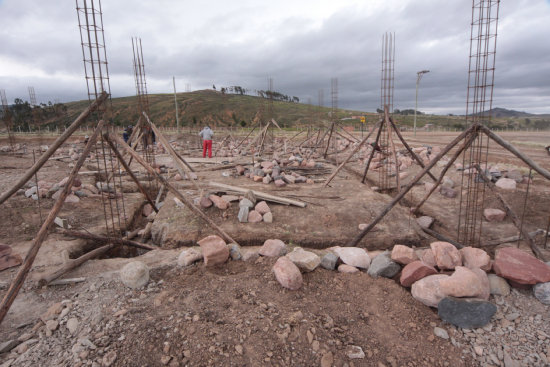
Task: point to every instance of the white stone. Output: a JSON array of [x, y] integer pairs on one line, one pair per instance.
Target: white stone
[[135, 274]]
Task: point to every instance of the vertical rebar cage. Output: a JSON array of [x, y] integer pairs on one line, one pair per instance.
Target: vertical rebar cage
[[386, 99], [479, 103]]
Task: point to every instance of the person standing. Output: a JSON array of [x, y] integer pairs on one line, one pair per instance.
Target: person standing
[[206, 135]]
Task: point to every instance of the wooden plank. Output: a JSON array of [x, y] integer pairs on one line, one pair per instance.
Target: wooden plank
[[259, 194]]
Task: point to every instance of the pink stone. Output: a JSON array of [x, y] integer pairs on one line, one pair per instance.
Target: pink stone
[[273, 248], [516, 265], [214, 250], [205, 202], [280, 183], [177, 177], [254, 217], [262, 208], [484, 281], [345, 268], [219, 202], [415, 271], [354, 256], [494, 215], [446, 255], [267, 165], [462, 283], [427, 256], [475, 258], [403, 254], [258, 179], [240, 170], [428, 290], [428, 186], [287, 273], [506, 184], [72, 199]]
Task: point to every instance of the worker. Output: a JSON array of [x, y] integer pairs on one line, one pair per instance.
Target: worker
[[127, 133], [206, 135]]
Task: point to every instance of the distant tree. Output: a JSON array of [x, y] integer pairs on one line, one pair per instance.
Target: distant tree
[[213, 87], [527, 121], [295, 99], [223, 90], [243, 123], [378, 110]]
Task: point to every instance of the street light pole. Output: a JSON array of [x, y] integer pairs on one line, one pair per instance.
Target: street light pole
[[418, 77]]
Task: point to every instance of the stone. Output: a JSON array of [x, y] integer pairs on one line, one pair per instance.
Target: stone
[[240, 170], [506, 183], [262, 208], [515, 175], [266, 179], [541, 292], [219, 202], [254, 217], [52, 312], [8, 345], [245, 203], [441, 333], [305, 260], [354, 256], [448, 192], [250, 255], [498, 286], [71, 198], [427, 256], [147, 210], [484, 282], [214, 250], [72, 325], [287, 273], [362, 226], [109, 358], [327, 359], [446, 255], [189, 256], [345, 268], [289, 179], [475, 258], [273, 248], [355, 352], [250, 196], [428, 291], [447, 182], [205, 202], [415, 271], [518, 266], [425, 221], [494, 215], [235, 251], [462, 283], [329, 260], [258, 178], [383, 266], [466, 313], [403, 254], [268, 217], [135, 274], [280, 183], [243, 214], [52, 325]]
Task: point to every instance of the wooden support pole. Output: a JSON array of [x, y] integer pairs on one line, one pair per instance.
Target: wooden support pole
[[517, 222], [17, 282], [130, 173], [371, 155], [413, 154], [349, 157], [402, 193], [177, 158], [329, 137], [103, 239], [516, 152], [259, 194], [221, 144], [73, 264], [172, 189], [445, 169], [53, 148], [246, 137]]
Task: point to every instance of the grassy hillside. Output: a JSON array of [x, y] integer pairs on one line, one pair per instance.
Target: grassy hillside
[[217, 109]]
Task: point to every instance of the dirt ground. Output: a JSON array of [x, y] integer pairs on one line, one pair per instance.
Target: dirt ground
[[238, 314]]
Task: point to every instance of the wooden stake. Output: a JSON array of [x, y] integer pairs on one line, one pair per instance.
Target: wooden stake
[[402, 193], [172, 189], [371, 155], [259, 194], [349, 157], [130, 173], [17, 282], [53, 148]]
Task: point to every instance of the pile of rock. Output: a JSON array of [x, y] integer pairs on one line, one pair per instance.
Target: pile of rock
[[273, 171], [250, 209], [53, 190], [456, 282]]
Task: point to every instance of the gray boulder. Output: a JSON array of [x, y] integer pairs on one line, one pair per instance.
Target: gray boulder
[[466, 313], [383, 266]]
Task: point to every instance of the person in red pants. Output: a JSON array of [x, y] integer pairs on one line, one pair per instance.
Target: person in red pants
[[206, 135]]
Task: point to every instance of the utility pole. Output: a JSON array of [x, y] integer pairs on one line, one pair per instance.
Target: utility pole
[[176, 103], [418, 77]]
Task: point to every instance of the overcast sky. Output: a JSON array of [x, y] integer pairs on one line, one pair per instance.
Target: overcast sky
[[300, 44]]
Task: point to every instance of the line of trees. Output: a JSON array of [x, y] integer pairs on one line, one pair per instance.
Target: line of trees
[[237, 89], [23, 114]]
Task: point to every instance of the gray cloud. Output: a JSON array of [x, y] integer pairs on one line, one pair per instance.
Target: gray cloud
[[301, 45]]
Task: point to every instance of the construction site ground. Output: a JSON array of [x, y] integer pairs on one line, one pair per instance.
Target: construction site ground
[[238, 314]]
